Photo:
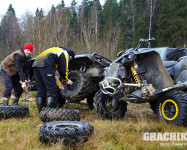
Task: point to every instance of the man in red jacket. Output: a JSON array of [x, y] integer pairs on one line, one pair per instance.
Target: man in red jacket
[[15, 67]]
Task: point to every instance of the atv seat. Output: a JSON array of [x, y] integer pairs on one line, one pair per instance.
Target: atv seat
[[169, 64]]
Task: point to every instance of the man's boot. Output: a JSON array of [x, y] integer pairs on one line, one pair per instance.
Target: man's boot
[[5, 101], [15, 100], [41, 102], [51, 102]]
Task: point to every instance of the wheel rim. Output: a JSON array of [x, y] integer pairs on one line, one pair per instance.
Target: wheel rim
[[112, 104], [170, 109], [73, 86]]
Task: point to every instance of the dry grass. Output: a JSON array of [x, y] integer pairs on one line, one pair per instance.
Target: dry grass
[[23, 134]]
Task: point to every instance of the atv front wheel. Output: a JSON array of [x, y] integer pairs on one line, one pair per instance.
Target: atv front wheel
[[108, 107], [172, 108]]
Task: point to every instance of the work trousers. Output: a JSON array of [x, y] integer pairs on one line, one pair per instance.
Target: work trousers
[[11, 83], [45, 81]]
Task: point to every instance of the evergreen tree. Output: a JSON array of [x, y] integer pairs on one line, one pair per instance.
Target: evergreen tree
[[10, 31], [126, 24], [11, 10], [110, 13], [73, 19], [62, 3], [172, 23], [52, 16], [141, 20], [39, 14]]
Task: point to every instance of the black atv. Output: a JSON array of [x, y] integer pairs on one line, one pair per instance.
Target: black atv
[[139, 77], [86, 71]]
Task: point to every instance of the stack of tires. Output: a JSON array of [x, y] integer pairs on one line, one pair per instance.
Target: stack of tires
[[64, 126]]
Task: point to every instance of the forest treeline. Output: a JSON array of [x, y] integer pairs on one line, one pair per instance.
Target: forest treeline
[[91, 27]]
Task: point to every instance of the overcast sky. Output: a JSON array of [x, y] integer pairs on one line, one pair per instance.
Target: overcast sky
[[22, 6]]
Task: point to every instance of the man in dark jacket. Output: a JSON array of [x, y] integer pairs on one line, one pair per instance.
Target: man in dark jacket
[[15, 67], [45, 65]]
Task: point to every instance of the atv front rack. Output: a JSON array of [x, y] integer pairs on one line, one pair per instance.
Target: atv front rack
[[110, 85]]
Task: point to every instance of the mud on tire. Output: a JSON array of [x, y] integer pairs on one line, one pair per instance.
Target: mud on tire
[[80, 89], [54, 114], [108, 107], [69, 133], [172, 108], [13, 111]]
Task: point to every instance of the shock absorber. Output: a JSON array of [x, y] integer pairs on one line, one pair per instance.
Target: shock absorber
[[135, 75]]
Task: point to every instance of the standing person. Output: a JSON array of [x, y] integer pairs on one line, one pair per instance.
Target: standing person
[[45, 65], [16, 67]]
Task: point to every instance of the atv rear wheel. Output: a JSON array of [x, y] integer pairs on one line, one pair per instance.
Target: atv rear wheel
[[172, 108], [108, 107], [80, 88]]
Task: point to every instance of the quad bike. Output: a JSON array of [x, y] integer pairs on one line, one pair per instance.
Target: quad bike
[[139, 77], [86, 71]]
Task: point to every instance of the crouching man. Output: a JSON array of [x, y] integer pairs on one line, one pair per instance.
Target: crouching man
[[16, 67], [45, 66]]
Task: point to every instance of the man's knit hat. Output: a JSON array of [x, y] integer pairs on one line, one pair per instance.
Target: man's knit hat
[[28, 46]]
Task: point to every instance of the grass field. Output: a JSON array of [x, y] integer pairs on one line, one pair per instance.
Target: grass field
[[23, 134]]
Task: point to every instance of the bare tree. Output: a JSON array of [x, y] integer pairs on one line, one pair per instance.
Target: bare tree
[[152, 4]]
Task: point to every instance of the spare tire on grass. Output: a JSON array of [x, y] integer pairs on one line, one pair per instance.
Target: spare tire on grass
[[69, 133], [54, 114], [11, 111]]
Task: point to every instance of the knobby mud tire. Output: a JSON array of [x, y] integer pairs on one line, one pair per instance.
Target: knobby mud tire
[[69, 133], [48, 114], [13, 111], [177, 113], [103, 112], [153, 106], [82, 87]]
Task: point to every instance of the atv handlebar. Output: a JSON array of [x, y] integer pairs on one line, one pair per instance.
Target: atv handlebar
[[144, 41], [101, 57]]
